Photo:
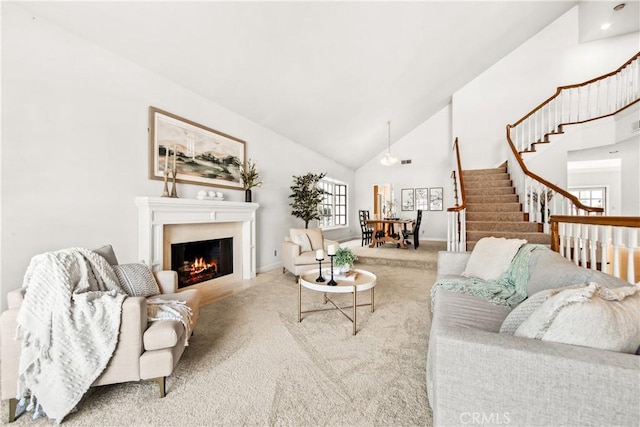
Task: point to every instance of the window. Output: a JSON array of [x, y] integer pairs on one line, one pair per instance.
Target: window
[[334, 204], [591, 196]]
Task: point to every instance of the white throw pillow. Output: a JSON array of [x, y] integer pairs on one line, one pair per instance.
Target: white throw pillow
[[527, 307], [136, 280], [491, 257], [303, 241], [591, 316]]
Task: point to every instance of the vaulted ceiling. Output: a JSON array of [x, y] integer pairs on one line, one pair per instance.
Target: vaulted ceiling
[[327, 75]]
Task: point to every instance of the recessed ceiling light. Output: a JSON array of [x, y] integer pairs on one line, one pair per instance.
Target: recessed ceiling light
[[605, 26], [619, 7]]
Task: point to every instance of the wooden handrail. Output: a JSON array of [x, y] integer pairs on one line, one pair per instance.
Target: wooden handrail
[[518, 157], [463, 205], [561, 88], [538, 178], [615, 221]]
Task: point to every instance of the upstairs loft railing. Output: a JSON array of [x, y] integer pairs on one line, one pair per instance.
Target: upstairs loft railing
[[598, 98], [456, 216], [605, 243]]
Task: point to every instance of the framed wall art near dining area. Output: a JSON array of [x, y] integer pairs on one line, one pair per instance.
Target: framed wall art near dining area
[[435, 199], [198, 154], [422, 199], [407, 201]]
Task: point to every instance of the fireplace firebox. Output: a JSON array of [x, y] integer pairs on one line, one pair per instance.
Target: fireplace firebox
[[203, 260]]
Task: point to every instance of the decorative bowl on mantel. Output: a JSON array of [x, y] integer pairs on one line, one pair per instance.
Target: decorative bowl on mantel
[[211, 195]]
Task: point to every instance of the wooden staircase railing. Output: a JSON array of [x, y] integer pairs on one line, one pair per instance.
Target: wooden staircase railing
[[456, 228], [605, 243], [595, 99]]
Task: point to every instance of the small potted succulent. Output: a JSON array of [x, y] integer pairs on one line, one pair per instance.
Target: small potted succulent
[[344, 259]]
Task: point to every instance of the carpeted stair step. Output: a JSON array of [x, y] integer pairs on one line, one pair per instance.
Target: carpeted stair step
[[519, 226], [498, 191], [493, 207], [495, 216], [406, 263], [486, 178], [492, 171], [470, 245], [490, 183], [493, 199], [541, 238]]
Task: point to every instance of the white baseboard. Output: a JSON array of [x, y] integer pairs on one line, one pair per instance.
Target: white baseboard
[[265, 268]]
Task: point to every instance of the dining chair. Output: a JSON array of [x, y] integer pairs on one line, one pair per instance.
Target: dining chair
[[414, 232], [367, 231]]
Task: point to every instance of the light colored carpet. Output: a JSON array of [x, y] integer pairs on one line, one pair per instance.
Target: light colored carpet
[[251, 363]]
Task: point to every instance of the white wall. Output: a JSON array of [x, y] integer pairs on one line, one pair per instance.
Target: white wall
[[551, 162], [429, 148], [526, 77], [602, 139], [75, 147], [600, 178], [630, 155]]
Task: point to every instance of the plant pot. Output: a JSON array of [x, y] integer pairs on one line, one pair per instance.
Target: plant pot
[[344, 269], [247, 195]]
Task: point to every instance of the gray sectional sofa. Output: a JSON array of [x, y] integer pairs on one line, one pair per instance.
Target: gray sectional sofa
[[476, 375]]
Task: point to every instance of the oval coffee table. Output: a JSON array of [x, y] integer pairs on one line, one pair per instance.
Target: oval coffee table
[[364, 280]]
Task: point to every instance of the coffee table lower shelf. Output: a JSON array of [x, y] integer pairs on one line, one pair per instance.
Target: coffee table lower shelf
[[364, 281]]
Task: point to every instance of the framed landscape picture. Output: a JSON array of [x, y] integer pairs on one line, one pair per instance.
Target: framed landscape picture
[[407, 199], [435, 199], [422, 199], [200, 155]]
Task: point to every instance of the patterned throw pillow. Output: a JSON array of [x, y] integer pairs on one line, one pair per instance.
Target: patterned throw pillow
[[526, 308], [523, 311], [136, 280], [590, 316]]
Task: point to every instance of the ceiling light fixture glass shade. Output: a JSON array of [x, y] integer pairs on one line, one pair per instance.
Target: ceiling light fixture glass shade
[[388, 159]]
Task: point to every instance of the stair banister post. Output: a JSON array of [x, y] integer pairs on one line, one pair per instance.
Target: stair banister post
[[567, 241], [576, 243], [462, 232], [593, 244], [632, 246], [584, 241], [606, 236], [617, 247]]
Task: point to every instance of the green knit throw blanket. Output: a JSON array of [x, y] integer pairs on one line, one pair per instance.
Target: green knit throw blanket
[[509, 290]]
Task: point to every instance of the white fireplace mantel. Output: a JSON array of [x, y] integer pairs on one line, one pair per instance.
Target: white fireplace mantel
[[156, 212]]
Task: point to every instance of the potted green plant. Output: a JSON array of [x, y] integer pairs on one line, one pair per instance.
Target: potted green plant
[[250, 178], [344, 259], [306, 195]]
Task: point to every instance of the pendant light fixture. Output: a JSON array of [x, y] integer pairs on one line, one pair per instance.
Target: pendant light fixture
[[388, 159]]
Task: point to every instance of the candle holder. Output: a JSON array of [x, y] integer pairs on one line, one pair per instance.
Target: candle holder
[[165, 192], [320, 278], [332, 282], [174, 190]]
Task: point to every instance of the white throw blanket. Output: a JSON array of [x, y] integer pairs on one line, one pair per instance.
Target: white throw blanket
[[163, 309], [68, 325]]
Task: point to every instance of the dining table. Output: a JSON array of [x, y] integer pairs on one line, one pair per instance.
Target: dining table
[[387, 226]]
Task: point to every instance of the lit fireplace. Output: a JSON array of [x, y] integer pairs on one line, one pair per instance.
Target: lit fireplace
[[200, 261]]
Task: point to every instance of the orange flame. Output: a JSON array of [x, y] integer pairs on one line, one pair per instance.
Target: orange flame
[[200, 265]]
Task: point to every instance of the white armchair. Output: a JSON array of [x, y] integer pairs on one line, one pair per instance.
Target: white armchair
[[298, 249]]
